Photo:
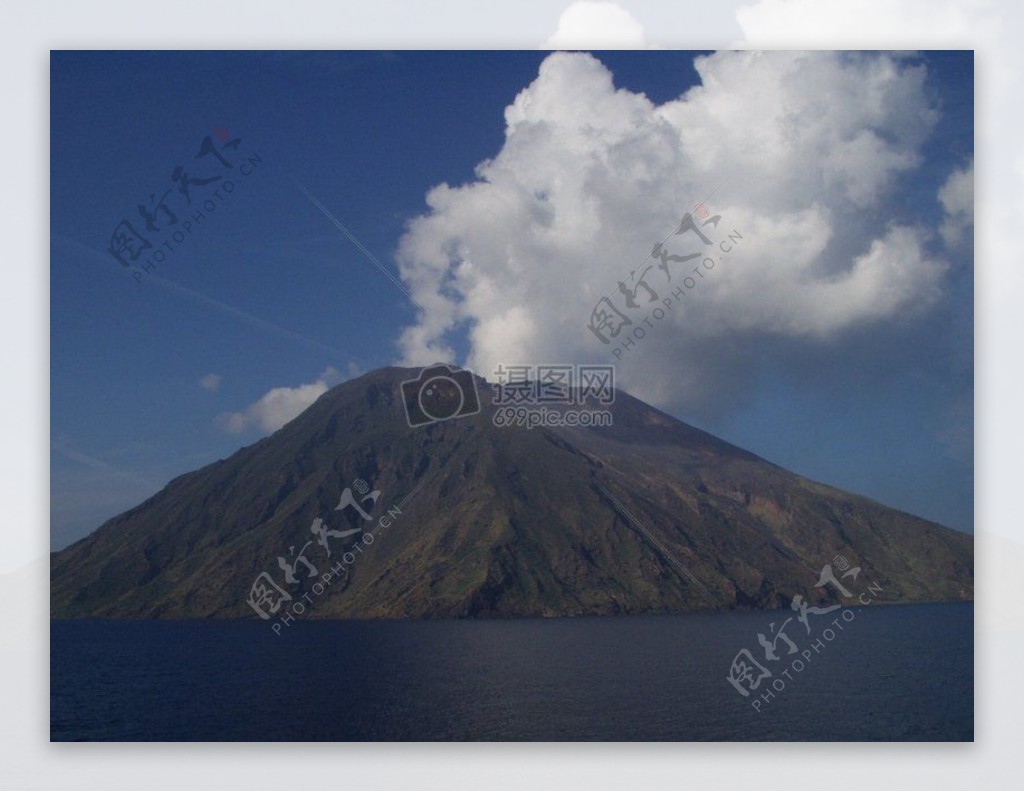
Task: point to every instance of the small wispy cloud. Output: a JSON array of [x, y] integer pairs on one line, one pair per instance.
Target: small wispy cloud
[[280, 405], [957, 199], [210, 382]]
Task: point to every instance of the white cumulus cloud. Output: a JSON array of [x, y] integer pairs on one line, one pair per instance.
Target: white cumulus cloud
[[800, 152], [595, 23]]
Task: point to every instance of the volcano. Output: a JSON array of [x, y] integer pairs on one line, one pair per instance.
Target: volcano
[[356, 513]]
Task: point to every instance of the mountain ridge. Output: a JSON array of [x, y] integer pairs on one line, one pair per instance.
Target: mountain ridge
[[506, 521]]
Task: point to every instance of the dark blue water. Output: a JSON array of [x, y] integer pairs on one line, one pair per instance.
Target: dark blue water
[[893, 673]]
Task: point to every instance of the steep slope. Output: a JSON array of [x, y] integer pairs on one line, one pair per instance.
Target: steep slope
[[646, 515]]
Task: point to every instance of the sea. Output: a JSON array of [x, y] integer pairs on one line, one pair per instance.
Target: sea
[[880, 673]]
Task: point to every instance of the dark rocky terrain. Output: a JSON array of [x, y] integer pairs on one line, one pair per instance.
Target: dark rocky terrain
[[647, 515]]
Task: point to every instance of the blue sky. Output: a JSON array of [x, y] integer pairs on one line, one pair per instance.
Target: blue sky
[[266, 294]]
